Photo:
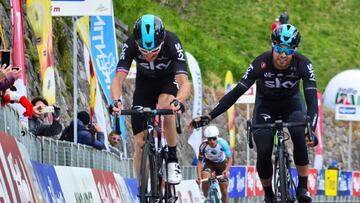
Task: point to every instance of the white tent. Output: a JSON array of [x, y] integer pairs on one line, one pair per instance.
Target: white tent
[[344, 88]]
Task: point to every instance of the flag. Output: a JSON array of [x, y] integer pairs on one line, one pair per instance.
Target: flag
[[39, 14], [229, 83], [196, 137], [318, 161]]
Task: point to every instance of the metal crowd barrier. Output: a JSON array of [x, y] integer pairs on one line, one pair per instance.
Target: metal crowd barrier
[[55, 152]]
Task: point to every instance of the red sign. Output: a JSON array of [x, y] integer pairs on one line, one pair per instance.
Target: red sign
[[250, 181], [356, 183], [312, 181], [13, 173], [259, 190], [107, 187]]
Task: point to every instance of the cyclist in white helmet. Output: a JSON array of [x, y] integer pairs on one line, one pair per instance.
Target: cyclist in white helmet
[[216, 155]]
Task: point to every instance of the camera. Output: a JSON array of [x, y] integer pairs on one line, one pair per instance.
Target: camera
[[48, 109], [5, 57]]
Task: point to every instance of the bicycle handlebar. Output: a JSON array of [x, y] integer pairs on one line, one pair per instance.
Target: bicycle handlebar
[[277, 125], [207, 179], [139, 110]]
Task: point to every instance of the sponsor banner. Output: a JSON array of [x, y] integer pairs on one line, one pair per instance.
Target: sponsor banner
[[105, 56], [248, 97], [124, 191], [295, 178], [35, 185], [229, 83], [196, 137], [77, 184], [38, 12], [321, 182], [343, 89], [81, 7], [344, 183], [188, 191], [49, 183], [331, 178], [132, 186], [356, 183], [312, 181], [250, 181], [347, 113], [236, 186], [259, 190], [15, 184], [106, 186]]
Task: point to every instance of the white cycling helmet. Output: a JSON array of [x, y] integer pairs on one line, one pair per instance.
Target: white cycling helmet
[[211, 131]]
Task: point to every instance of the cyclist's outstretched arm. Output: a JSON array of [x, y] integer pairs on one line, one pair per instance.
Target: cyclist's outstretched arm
[[116, 85]]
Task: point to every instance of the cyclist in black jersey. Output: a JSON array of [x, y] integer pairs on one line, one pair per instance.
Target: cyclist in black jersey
[[161, 82], [277, 74]]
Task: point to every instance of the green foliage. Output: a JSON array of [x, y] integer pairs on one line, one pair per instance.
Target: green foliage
[[62, 44], [32, 54], [229, 34]]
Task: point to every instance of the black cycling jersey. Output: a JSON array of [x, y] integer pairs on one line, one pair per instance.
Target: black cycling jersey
[[169, 62], [273, 84]]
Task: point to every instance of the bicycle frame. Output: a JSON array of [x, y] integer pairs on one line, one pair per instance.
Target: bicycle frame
[[153, 158], [214, 194], [282, 181]]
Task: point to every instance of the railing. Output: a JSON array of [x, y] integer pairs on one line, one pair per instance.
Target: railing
[[55, 152]]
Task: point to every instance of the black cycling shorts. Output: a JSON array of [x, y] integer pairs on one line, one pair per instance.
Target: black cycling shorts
[[290, 109], [218, 168], [146, 94]]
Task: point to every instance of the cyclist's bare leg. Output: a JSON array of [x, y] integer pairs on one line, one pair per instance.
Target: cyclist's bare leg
[[205, 185], [302, 170], [266, 182], [139, 143], [224, 190]]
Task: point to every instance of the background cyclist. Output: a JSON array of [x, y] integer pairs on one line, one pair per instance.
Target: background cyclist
[[277, 74], [161, 79], [215, 153]]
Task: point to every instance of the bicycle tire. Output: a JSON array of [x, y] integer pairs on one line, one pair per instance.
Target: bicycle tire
[[282, 176], [145, 196]]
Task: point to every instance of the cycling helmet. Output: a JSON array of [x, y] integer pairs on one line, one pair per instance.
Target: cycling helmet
[[286, 34], [149, 32], [211, 131]]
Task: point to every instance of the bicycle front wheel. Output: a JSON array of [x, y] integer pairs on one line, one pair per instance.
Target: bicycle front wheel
[[282, 176], [214, 196], [148, 173]]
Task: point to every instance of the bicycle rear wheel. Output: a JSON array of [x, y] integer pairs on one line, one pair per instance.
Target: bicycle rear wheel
[[148, 159]]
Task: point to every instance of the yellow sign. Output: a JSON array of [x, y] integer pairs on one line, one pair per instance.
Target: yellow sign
[[331, 182]]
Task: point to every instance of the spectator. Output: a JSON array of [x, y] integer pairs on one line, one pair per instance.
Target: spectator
[[114, 141], [88, 134], [39, 124], [282, 19], [8, 75]]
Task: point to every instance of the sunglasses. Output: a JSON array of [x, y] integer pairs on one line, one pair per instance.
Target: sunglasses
[[280, 50], [211, 138], [153, 51]]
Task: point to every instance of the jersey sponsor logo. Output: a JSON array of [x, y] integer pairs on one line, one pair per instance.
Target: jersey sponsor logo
[[268, 74], [251, 67], [123, 50], [265, 116], [278, 84], [311, 72], [292, 75], [152, 66], [180, 52]]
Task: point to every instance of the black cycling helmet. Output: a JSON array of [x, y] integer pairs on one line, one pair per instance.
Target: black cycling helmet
[[284, 17], [286, 34], [149, 31]]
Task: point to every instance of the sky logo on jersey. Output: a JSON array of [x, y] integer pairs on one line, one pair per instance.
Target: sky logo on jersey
[[248, 71], [180, 52], [347, 110], [311, 72], [279, 84]]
